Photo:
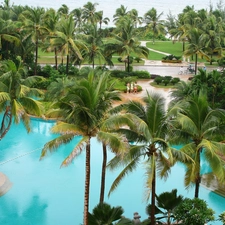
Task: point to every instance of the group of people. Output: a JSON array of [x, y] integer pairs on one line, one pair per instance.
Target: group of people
[[132, 87]]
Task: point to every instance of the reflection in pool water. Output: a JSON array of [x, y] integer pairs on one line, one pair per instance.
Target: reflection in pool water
[[45, 194]]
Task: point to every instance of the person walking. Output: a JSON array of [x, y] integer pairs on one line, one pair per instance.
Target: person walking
[[128, 87], [132, 87], [135, 87]]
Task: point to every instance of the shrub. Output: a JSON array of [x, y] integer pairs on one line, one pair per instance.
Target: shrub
[[46, 70], [194, 211], [166, 81], [138, 74], [130, 68], [158, 79], [137, 59], [171, 57], [175, 80]]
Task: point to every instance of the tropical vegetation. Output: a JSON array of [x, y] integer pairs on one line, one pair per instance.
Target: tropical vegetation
[[82, 98]]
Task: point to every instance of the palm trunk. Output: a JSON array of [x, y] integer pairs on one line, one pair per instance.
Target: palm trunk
[[152, 216], [198, 177], [87, 183], [7, 116], [128, 63], [104, 161], [67, 65], [196, 63], [36, 58], [56, 59]]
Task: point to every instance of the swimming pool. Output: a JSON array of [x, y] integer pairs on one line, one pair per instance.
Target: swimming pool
[[45, 194]]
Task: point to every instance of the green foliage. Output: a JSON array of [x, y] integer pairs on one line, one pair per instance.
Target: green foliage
[[194, 212], [175, 80], [103, 213], [84, 71], [139, 74], [171, 57], [222, 217], [137, 59], [129, 69], [158, 79], [166, 81]]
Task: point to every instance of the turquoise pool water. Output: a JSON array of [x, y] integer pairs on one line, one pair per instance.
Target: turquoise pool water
[[45, 194]]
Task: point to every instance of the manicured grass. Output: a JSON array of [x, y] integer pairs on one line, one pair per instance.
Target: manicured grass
[[162, 85], [155, 56], [167, 47]]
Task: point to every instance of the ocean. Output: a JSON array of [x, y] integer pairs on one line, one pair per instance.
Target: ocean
[[109, 6]]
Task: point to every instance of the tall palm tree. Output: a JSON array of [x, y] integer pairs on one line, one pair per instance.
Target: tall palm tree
[[77, 16], [16, 96], [65, 39], [135, 17], [50, 21], [120, 13], [146, 124], [82, 111], [195, 46], [154, 23], [63, 10], [124, 41], [89, 13], [93, 41], [199, 129], [32, 24], [211, 36], [102, 19]]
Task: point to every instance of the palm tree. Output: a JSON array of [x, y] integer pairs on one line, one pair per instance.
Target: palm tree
[[50, 21], [124, 41], [63, 10], [199, 129], [102, 19], [166, 204], [211, 36], [120, 13], [16, 96], [32, 19], [135, 17], [103, 213], [77, 16], [154, 23], [147, 126], [182, 91], [89, 13], [66, 41], [83, 111], [196, 46], [93, 41]]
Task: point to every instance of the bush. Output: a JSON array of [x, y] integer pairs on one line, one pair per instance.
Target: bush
[[194, 211], [171, 57], [138, 74], [175, 80], [166, 81], [158, 79], [137, 59]]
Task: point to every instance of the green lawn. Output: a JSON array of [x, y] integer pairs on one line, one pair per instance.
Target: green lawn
[[167, 47]]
